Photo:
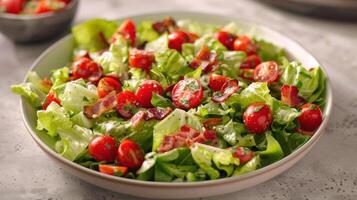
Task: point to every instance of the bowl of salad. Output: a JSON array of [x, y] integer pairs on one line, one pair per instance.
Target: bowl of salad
[[27, 21], [175, 105]]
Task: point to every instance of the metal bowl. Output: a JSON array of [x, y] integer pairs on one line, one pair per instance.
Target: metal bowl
[[59, 54], [36, 28]]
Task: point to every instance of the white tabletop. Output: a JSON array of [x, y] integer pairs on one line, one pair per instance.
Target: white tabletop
[[328, 172]]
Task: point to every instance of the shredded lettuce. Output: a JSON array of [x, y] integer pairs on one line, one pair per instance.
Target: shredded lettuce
[[145, 32], [33, 96], [60, 76], [255, 92]]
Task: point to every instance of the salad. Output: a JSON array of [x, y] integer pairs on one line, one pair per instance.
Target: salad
[[175, 100], [32, 7]]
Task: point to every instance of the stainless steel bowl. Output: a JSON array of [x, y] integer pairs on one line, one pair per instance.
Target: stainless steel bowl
[[35, 28]]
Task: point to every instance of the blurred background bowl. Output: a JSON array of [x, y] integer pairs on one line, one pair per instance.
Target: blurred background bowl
[[36, 28]]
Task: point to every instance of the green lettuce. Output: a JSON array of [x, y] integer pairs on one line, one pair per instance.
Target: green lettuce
[[145, 32], [235, 134], [60, 76], [158, 45], [273, 151], [251, 165], [37, 82], [255, 92], [203, 158], [75, 96], [196, 27], [268, 51], [81, 120], [171, 124], [93, 35], [53, 119], [289, 142], [33, 96]]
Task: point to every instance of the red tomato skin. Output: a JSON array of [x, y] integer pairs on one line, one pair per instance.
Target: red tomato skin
[[290, 95], [128, 30], [51, 97], [106, 85], [251, 62], [244, 154], [227, 39], [267, 72], [126, 99], [257, 117], [228, 88], [310, 118], [141, 59], [217, 81], [130, 154], [112, 170], [87, 69], [103, 148], [177, 38], [244, 43], [184, 97], [12, 6], [145, 91]]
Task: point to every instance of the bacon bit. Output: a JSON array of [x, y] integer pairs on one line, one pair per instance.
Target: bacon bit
[[103, 105], [166, 25], [206, 59], [290, 95], [186, 137], [151, 113], [82, 54], [211, 122], [229, 88], [46, 82], [103, 40]]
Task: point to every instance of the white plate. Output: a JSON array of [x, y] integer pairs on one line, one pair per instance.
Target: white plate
[[59, 54]]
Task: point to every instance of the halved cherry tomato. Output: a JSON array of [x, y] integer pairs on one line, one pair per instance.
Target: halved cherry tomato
[[310, 118], [103, 148], [244, 43], [244, 154], [251, 62], [177, 38], [113, 170], [127, 104], [290, 95], [267, 72], [247, 74], [229, 87], [141, 59], [130, 154], [51, 97], [145, 91], [187, 93], [106, 85], [128, 30], [217, 81], [12, 6], [227, 39], [257, 117], [45, 6], [87, 69]]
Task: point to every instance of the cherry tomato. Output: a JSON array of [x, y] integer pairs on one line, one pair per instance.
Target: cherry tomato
[[128, 30], [244, 154], [65, 1], [229, 87], [251, 62], [187, 93], [290, 95], [267, 72], [310, 118], [106, 85], [127, 104], [257, 117], [145, 91], [217, 81], [87, 69], [177, 38], [113, 170], [12, 6], [141, 59], [227, 39], [247, 74], [244, 43], [51, 97], [45, 6], [130, 154], [103, 148]]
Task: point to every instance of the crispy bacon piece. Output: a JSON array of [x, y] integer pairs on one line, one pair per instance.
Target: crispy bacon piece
[[229, 88], [206, 59], [151, 113], [290, 95], [186, 137], [103, 105], [166, 25]]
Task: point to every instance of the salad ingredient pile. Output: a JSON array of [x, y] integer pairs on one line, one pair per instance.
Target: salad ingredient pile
[[175, 101], [32, 7]]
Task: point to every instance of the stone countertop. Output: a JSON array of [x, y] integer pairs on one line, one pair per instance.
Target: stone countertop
[[328, 172]]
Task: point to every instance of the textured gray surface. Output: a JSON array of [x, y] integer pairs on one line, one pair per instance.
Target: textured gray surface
[[328, 172]]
